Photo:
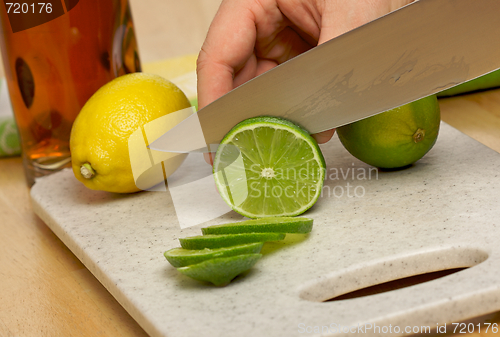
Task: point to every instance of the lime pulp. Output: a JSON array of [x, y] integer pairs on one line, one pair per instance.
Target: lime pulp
[[268, 166]]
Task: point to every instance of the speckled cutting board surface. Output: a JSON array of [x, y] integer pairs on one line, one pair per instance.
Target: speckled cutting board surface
[[369, 228]]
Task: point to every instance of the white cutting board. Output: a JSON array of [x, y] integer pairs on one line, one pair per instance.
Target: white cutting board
[[441, 213]]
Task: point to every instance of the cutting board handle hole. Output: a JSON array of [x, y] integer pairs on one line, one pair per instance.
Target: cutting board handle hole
[[395, 284], [390, 274]]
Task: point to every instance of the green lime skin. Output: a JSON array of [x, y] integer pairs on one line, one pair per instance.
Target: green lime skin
[[180, 257], [281, 171], [227, 240], [263, 225], [487, 81], [395, 138], [222, 270]]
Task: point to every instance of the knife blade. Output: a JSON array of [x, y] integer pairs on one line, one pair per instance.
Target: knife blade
[[413, 52]]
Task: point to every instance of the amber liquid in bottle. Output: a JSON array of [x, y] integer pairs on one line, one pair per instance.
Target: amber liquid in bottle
[[52, 69]]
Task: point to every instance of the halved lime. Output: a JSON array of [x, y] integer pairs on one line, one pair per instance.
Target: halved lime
[[220, 271], [180, 257], [227, 240], [263, 225], [268, 166]]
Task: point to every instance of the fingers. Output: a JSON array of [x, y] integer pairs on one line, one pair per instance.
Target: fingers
[[249, 37], [323, 137], [209, 158], [228, 45], [253, 67]]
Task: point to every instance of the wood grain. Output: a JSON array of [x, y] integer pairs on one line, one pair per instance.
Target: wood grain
[[46, 291], [476, 114]]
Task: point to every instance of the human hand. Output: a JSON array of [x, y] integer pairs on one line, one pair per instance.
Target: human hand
[[249, 37]]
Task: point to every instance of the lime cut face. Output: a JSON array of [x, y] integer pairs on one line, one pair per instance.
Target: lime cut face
[[220, 271], [267, 166], [263, 225], [180, 257]]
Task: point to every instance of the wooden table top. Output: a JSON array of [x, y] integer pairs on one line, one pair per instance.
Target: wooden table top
[[46, 291]]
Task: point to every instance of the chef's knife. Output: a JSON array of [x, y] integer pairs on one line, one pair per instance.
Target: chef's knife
[[413, 52]]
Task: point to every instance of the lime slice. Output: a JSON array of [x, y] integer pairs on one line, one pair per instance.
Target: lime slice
[[220, 271], [263, 225], [268, 166], [180, 257], [218, 241]]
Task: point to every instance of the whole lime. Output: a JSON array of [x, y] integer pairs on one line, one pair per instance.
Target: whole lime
[[395, 138]]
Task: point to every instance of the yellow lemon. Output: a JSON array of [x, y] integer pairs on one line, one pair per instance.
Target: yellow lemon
[[120, 109]]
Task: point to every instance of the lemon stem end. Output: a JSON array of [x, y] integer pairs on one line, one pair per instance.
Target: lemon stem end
[[87, 171]]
